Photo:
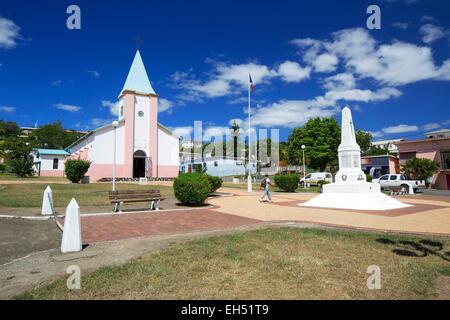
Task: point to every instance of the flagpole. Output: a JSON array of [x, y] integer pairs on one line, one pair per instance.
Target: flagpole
[[249, 177]]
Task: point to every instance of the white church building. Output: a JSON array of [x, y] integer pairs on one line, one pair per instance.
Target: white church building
[[144, 147]]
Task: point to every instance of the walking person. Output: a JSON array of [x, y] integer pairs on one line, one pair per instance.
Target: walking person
[[265, 183]]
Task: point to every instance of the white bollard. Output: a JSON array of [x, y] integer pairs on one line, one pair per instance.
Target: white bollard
[[71, 239], [47, 202]]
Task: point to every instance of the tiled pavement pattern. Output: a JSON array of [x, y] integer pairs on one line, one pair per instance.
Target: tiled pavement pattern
[[388, 213], [129, 225]]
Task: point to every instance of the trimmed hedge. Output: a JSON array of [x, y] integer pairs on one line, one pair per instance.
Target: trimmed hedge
[[76, 169], [214, 183], [287, 182], [191, 189]]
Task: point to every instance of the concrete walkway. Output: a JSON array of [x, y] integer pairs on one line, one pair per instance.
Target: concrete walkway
[[431, 214]]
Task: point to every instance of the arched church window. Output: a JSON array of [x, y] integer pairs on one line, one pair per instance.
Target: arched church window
[[121, 111], [140, 153]]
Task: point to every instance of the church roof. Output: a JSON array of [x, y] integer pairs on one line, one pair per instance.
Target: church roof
[[137, 79]]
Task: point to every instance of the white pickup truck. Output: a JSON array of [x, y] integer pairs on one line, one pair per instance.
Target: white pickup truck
[[399, 182]]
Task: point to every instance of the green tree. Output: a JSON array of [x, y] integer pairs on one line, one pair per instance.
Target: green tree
[[364, 140], [53, 136], [377, 151], [420, 168], [12, 145], [321, 136]]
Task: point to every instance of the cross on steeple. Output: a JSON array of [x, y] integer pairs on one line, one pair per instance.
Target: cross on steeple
[[138, 42]]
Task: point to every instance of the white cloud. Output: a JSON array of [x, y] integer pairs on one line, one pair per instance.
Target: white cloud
[[214, 131], [9, 33], [427, 18], [394, 64], [57, 83], [340, 81], [376, 134], [232, 79], [184, 132], [98, 122], [293, 113], [67, 107], [363, 95], [401, 25], [94, 73], [7, 109], [112, 106], [401, 128], [431, 33], [430, 126], [291, 71], [444, 71], [325, 63], [165, 105]]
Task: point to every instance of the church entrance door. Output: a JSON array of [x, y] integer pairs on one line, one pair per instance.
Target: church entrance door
[[139, 164]]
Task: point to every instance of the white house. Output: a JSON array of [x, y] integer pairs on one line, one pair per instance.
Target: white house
[[49, 162]]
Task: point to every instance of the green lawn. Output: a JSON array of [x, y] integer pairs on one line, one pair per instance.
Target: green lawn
[[286, 263], [94, 194]]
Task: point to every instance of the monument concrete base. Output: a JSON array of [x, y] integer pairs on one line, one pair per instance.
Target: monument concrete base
[[356, 196]]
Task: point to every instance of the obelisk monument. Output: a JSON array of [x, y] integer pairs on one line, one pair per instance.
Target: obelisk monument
[[351, 189]]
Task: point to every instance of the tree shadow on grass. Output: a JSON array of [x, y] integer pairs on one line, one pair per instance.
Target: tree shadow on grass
[[418, 249]]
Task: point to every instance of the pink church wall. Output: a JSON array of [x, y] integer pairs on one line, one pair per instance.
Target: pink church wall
[[52, 173], [98, 171], [128, 106], [154, 135], [168, 171]]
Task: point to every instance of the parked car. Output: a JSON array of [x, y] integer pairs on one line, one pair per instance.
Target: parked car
[[314, 178], [399, 182]]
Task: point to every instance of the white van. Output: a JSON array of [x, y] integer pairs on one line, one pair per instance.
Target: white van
[[314, 178]]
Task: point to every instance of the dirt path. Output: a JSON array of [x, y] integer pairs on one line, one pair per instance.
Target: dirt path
[[21, 237]]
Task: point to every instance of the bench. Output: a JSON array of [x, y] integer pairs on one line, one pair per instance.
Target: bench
[[126, 196]]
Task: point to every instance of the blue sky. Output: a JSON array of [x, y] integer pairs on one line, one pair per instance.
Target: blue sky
[[307, 58]]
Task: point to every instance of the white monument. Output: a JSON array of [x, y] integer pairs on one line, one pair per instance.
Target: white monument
[[47, 202], [71, 239], [351, 190]]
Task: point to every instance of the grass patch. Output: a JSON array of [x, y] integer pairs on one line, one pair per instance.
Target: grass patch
[[286, 263], [94, 194]]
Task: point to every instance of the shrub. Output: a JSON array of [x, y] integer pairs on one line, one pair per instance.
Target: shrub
[[22, 167], [420, 168], [369, 178], [191, 189], [214, 183], [287, 182], [76, 169], [321, 183], [2, 167]]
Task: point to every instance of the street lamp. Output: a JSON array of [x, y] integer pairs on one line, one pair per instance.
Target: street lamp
[[304, 166], [115, 124]]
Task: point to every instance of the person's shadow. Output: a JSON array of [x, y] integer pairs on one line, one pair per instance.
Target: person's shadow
[[420, 249]]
